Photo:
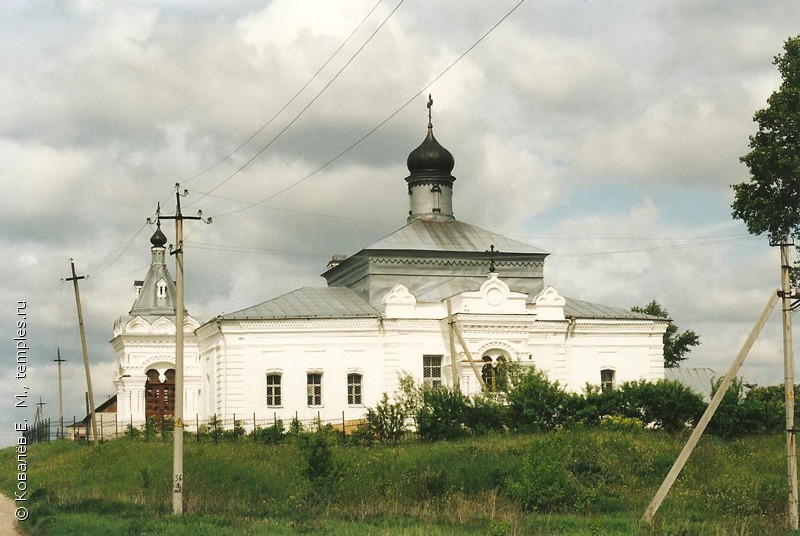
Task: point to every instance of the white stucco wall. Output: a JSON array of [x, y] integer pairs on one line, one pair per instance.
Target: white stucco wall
[[235, 356]]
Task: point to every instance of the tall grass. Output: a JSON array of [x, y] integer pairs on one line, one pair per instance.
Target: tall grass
[[567, 482]]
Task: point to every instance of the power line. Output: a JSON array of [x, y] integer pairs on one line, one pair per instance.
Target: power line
[[122, 249], [296, 211], [637, 238], [307, 106], [130, 241], [379, 125], [652, 249], [245, 249], [290, 101], [250, 249]]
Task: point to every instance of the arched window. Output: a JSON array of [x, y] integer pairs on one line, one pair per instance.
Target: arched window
[[487, 374], [495, 373], [161, 288]]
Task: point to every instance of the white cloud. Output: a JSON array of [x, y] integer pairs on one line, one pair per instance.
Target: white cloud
[[107, 107]]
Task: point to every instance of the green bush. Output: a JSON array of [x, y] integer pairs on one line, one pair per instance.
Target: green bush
[[321, 467], [442, 414], [235, 433], [759, 411], [545, 484], [271, 435], [534, 402], [767, 407], [592, 407], [664, 404], [386, 422], [486, 414]]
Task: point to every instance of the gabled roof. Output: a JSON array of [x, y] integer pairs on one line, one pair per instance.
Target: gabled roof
[[584, 309], [452, 235], [309, 302]]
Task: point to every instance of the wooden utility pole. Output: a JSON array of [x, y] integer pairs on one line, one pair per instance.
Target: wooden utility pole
[[60, 396], [788, 382], [712, 407], [177, 453], [453, 356], [457, 330], [74, 280]]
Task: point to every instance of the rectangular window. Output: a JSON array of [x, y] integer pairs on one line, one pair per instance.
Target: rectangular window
[[314, 389], [354, 389], [273, 389], [432, 370], [607, 379]]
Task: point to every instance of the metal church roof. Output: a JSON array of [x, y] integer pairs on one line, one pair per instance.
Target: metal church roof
[[309, 302], [449, 236], [584, 309]]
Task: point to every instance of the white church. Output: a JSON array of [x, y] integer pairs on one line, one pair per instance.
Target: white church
[[439, 299]]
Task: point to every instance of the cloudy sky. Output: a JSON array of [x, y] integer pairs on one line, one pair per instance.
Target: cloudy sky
[[605, 132]]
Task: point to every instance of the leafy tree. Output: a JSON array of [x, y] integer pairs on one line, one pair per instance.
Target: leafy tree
[[676, 345], [769, 202]]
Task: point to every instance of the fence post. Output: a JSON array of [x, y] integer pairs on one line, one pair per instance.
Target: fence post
[[255, 426], [235, 433], [197, 425], [101, 427], [216, 425], [131, 425], [275, 418]]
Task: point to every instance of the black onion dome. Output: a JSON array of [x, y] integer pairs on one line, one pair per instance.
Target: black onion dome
[[158, 239], [430, 156]]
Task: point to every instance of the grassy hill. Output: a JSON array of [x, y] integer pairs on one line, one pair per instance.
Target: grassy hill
[[568, 482]]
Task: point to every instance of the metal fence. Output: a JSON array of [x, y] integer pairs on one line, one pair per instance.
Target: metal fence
[[215, 429]]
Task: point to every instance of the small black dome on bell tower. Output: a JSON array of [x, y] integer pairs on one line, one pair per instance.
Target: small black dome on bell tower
[[158, 239], [430, 156]]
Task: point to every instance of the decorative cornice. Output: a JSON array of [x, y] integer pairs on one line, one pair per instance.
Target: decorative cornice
[[305, 323], [453, 262]]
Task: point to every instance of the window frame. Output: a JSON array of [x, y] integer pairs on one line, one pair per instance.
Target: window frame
[[428, 368], [274, 390], [314, 389], [607, 384], [355, 389]]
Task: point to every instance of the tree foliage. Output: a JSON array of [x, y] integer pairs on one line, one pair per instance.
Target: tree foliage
[[535, 403], [386, 421], [769, 201], [676, 345]]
